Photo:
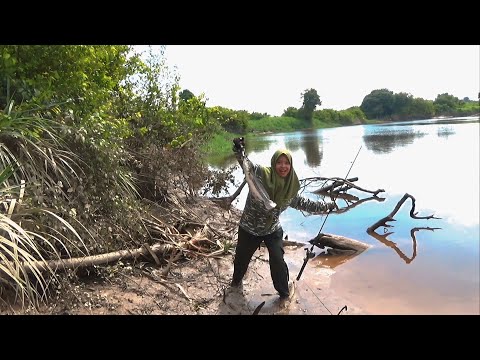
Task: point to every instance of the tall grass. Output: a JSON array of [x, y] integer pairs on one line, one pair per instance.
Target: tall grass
[[32, 156]]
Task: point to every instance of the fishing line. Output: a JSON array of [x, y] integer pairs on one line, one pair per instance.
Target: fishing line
[[313, 292], [310, 254], [346, 176]]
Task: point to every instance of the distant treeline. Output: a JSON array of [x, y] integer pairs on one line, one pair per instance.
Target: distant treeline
[[380, 105]]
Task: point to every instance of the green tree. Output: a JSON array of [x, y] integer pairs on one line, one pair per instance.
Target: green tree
[[85, 77], [378, 104], [310, 101], [422, 109], [446, 104], [291, 112], [402, 103], [186, 95], [446, 99], [257, 116]]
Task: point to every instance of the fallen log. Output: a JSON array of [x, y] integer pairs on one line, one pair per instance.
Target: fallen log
[[340, 244], [103, 259]]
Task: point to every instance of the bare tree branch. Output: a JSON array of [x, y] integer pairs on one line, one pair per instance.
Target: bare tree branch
[[346, 185], [389, 217], [355, 204], [226, 202]]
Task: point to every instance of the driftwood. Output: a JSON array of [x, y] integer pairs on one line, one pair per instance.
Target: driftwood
[[336, 184], [339, 244], [383, 238], [351, 205], [389, 217], [339, 249], [346, 184], [338, 190], [105, 259], [87, 261]]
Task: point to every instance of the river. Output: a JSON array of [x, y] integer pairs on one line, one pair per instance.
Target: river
[[437, 162]]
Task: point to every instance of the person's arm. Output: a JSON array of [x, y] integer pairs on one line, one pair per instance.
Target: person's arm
[[312, 207]]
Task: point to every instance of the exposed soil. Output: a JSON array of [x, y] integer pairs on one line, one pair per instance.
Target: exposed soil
[[196, 285]]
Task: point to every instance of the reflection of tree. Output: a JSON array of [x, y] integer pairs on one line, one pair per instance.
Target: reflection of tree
[[292, 143], [383, 222], [258, 144], [311, 146], [386, 142], [383, 239], [445, 132]]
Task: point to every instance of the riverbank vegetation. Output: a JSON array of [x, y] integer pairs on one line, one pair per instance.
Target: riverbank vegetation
[[93, 138]]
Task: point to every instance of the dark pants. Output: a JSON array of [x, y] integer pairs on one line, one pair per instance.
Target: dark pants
[[246, 246]]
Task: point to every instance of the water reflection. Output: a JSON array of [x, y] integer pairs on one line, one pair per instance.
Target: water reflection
[[459, 120], [311, 144], [445, 131], [332, 260], [258, 144], [383, 140], [383, 239], [292, 143]]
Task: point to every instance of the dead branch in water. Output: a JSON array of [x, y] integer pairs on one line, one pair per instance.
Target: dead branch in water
[[389, 217], [338, 248], [338, 185], [325, 188], [339, 243], [352, 204]]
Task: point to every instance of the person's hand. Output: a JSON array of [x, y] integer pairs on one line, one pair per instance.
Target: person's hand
[[238, 144]]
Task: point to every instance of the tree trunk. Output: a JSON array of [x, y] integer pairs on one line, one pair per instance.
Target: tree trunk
[[339, 243], [83, 262]]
